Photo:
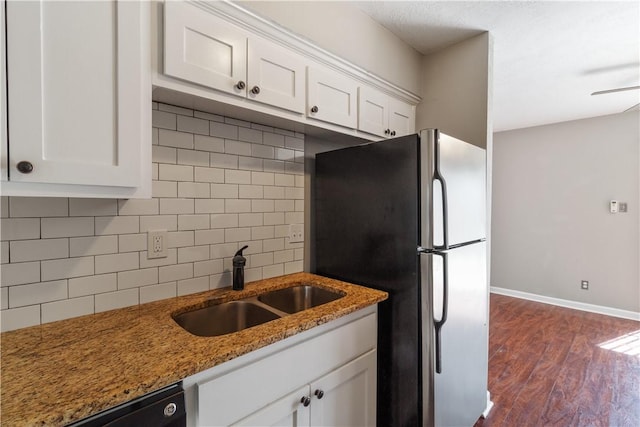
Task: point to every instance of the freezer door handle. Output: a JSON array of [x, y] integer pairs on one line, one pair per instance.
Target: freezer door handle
[[437, 177], [445, 305]]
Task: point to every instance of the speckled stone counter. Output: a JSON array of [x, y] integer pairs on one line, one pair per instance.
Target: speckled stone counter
[[61, 372]]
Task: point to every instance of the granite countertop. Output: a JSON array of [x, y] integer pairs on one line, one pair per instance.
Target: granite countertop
[[61, 372]]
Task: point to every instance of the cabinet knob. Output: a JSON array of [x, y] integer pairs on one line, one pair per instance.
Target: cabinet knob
[[255, 90], [240, 85], [319, 394], [306, 400], [314, 109], [393, 133], [24, 166], [170, 409], [387, 131]]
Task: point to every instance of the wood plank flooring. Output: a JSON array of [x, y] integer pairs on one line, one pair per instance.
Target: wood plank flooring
[[548, 367]]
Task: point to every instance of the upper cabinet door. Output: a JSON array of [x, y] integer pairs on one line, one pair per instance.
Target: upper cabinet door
[[331, 97], [275, 76], [402, 117], [76, 87], [204, 49], [373, 111]]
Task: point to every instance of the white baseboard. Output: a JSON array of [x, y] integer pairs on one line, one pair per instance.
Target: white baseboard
[[489, 405], [600, 309]]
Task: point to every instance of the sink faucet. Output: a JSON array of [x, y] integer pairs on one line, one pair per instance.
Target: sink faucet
[[238, 269]]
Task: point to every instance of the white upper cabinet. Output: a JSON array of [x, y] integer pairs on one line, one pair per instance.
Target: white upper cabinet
[[332, 97], [402, 117], [202, 48], [79, 99], [382, 115]]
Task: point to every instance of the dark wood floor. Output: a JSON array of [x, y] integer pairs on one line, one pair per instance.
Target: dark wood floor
[[548, 367]]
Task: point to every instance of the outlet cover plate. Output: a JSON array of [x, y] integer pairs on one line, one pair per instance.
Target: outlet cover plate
[[296, 233], [157, 244]]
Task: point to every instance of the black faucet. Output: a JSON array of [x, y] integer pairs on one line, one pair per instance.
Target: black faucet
[[238, 269]]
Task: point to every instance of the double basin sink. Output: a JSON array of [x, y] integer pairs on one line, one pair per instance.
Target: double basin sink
[[234, 316]]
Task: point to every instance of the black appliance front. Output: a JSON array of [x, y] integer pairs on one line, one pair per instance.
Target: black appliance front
[[162, 408], [367, 231]]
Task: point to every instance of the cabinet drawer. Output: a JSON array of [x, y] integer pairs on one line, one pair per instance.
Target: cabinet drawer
[[230, 397]]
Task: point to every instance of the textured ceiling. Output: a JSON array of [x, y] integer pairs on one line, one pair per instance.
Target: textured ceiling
[[549, 56]]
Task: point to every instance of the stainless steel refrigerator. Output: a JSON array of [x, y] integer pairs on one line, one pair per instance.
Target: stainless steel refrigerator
[[408, 216]]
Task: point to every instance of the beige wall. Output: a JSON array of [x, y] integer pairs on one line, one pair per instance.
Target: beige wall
[[348, 33], [551, 222], [456, 90]]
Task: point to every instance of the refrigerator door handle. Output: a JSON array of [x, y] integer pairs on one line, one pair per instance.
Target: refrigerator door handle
[[445, 305], [437, 177]]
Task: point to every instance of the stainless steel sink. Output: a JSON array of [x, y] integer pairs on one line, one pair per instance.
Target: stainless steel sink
[[298, 298], [224, 318]]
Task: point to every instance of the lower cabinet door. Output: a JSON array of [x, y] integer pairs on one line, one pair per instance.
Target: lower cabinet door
[[346, 396], [289, 411]]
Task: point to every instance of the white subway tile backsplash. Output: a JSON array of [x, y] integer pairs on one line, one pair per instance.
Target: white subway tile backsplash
[[158, 222], [250, 192], [293, 267], [237, 234], [175, 272], [118, 299], [204, 268], [193, 253], [170, 138], [66, 309], [175, 172], [193, 158], [117, 225], [91, 285], [224, 191], [180, 239], [224, 220], [66, 227], [192, 286], [216, 187], [137, 278], [116, 262], [175, 109], [209, 175], [23, 317], [163, 120], [132, 242], [227, 161], [223, 130], [284, 154], [176, 206], [164, 189], [19, 228], [209, 143], [209, 237], [193, 222], [19, 273], [34, 207], [172, 258], [66, 268], [294, 217], [193, 125], [262, 178], [198, 190], [273, 139], [37, 293], [158, 292], [35, 250], [237, 176], [250, 135], [138, 207], [160, 154]]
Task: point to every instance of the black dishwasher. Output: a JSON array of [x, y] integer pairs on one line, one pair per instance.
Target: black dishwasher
[[161, 408]]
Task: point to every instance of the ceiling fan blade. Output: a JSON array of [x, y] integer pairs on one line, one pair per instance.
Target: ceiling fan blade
[[620, 89]]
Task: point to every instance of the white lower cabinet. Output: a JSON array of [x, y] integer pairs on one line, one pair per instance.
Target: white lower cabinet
[[322, 377]]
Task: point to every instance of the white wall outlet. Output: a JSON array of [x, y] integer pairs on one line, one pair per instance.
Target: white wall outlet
[[613, 206], [296, 233], [157, 244]]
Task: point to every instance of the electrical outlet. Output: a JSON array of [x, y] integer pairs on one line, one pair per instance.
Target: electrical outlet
[[157, 244], [622, 207], [296, 233], [584, 284]]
